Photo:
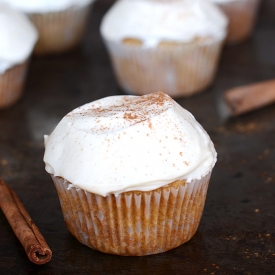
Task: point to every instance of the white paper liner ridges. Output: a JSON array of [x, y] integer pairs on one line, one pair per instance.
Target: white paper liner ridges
[[177, 70], [134, 223], [59, 31], [12, 84], [242, 16]]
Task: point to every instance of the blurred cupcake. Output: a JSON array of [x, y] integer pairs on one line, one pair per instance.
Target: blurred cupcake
[[173, 46], [131, 173], [61, 23], [17, 39], [241, 15]]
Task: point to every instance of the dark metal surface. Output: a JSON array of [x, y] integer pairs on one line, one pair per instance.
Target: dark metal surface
[[237, 230]]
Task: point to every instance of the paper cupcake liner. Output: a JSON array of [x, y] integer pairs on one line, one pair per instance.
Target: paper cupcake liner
[[242, 17], [12, 84], [134, 223], [59, 31], [177, 70]]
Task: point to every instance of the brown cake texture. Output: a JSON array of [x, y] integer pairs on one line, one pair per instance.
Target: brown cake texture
[[59, 31], [12, 84], [177, 69], [242, 15], [134, 223]]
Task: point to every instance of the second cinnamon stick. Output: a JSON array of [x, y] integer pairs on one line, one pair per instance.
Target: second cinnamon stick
[[24, 228], [250, 97]]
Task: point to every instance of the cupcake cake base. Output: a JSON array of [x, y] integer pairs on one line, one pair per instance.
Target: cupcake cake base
[[59, 31], [134, 223], [177, 69], [12, 84], [241, 15]]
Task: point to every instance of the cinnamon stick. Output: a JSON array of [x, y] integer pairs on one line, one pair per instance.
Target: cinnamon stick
[[23, 226], [247, 98]]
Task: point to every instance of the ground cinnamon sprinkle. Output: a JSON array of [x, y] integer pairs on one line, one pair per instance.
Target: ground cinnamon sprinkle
[[122, 112], [130, 116], [141, 107]]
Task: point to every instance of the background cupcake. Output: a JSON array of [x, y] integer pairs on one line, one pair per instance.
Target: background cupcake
[[241, 15], [131, 173], [17, 39], [60, 23], [173, 46]]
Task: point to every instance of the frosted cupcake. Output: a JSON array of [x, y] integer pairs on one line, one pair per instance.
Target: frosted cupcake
[[131, 173], [61, 23], [241, 15], [173, 46], [17, 39]]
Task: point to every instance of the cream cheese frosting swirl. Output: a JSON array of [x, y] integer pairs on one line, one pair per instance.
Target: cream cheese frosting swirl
[[17, 37], [123, 143], [44, 6], [153, 21]]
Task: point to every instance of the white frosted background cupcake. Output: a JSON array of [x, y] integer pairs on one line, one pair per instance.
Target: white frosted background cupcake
[[173, 46], [131, 173], [242, 16], [17, 39], [61, 23]]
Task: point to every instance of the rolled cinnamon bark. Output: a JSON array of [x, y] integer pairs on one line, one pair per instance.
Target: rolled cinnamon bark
[[23, 226], [250, 97]]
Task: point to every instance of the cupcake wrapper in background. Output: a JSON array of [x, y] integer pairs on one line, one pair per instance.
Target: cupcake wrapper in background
[[134, 223], [60, 31], [177, 70], [242, 17], [12, 84]]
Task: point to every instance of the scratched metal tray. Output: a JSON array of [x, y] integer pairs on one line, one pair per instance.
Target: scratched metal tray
[[237, 230]]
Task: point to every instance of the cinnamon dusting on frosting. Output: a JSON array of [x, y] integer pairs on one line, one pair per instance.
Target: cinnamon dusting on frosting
[[150, 124], [126, 112], [100, 146], [130, 116]]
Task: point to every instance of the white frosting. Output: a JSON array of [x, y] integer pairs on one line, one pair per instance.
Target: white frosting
[[17, 37], [153, 21], [44, 6], [124, 143], [225, 1]]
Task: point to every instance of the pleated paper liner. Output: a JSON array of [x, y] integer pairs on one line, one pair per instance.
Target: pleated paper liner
[[134, 223], [12, 84], [242, 17], [177, 69], [59, 31]]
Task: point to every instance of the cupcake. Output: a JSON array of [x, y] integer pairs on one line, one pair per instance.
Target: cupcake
[[241, 15], [17, 39], [173, 46], [131, 173], [61, 23]]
